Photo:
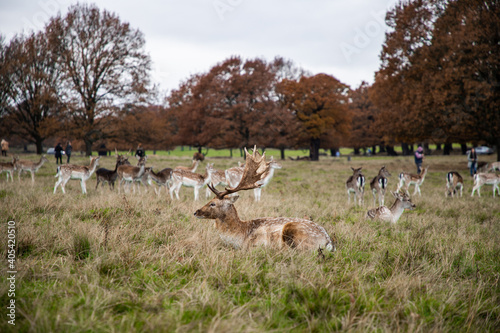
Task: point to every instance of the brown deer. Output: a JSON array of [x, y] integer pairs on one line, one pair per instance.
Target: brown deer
[[70, 171], [162, 178], [109, 176], [454, 182], [9, 168], [392, 214], [356, 184], [192, 168], [407, 179], [32, 167], [379, 185], [268, 231], [129, 173]]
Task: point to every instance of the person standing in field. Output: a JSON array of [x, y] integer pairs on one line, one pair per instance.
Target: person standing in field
[[419, 158], [5, 147], [68, 150], [472, 159], [58, 153]]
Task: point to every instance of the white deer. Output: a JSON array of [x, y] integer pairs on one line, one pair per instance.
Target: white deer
[[32, 167], [407, 179], [70, 171], [392, 214], [481, 179], [267, 231]]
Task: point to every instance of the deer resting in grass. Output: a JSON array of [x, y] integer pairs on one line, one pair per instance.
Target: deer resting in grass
[[30, 166], [454, 182], [267, 231], [392, 214], [70, 171]]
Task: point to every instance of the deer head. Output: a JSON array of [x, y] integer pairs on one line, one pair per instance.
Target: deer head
[[384, 172], [405, 200]]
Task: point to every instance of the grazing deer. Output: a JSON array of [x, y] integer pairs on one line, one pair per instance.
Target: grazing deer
[[379, 185], [235, 174], [454, 181], [268, 231], [392, 214], [192, 168], [162, 178], [485, 178], [32, 167], [9, 168], [190, 179], [356, 184], [218, 178], [129, 173], [109, 176], [69, 171], [408, 179], [494, 166]]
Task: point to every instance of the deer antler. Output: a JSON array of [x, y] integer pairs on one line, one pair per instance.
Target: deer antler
[[256, 169]]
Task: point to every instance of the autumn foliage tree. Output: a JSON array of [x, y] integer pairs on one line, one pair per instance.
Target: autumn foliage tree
[[320, 105]]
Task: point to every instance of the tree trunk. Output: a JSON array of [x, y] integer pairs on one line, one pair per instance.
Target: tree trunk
[[88, 147], [356, 151], [381, 149], [39, 146], [405, 148], [463, 147], [314, 150], [374, 150], [199, 149], [438, 146], [391, 151], [427, 150], [447, 149], [231, 152], [333, 152], [282, 152], [498, 148], [412, 148]]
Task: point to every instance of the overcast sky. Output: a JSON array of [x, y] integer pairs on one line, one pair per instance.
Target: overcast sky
[[338, 37]]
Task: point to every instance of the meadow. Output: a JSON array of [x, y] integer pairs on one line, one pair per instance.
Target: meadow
[[109, 262]]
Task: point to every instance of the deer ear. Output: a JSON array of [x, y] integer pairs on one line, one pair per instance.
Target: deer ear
[[233, 199]]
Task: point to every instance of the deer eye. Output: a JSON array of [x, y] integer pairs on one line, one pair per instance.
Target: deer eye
[[212, 204]]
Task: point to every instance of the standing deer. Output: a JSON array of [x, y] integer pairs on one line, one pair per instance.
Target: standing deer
[[218, 178], [190, 179], [267, 231], [485, 178], [9, 168], [408, 179], [356, 184], [454, 182], [192, 168], [129, 173], [69, 171], [379, 186], [392, 214], [109, 176], [162, 178], [32, 167], [235, 174]]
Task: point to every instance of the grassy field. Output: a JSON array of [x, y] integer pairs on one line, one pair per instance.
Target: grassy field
[[105, 262]]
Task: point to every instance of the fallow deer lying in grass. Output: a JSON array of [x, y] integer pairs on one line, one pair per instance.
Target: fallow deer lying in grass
[[9, 168], [109, 176], [379, 186], [162, 178], [70, 171], [454, 182], [268, 231], [392, 214], [192, 168], [129, 174], [235, 174], [32, 167], [481, 179], [190, 179], [356, 184], [407, 179]]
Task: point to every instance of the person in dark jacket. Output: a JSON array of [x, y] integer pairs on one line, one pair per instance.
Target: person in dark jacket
[[472, 159], [68, 150], [419, 158], [58, 152]]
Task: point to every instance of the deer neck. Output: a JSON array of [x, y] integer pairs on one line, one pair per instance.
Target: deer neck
[[397, 210], [40, 163], [230, 222], [92, 167], [422, 177]]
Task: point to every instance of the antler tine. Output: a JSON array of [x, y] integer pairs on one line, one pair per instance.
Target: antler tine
[[214, 190], [256, 169]]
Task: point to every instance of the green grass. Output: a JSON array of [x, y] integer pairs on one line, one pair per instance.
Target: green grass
[[117, 262]]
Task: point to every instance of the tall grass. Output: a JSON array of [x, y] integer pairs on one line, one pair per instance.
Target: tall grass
[[106, 262]]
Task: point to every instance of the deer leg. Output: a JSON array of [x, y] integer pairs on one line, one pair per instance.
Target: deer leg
[[32, 177], [84, 187], [58, 182]]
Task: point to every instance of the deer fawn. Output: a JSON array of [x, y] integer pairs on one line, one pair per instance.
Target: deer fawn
[[485, 178], [190, 179], [69, 171], [392, 214], [30, 166], [408, 179], [454, 182], [267, 231], [356, 184], [9, 168], [379, 186]]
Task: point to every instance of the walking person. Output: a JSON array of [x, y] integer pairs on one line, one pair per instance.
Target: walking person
[[5, 147], [68, 150], [419, 158], [472, 159], [58, 152]]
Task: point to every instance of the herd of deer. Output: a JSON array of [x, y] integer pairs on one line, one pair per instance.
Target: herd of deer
[[254, 174]]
